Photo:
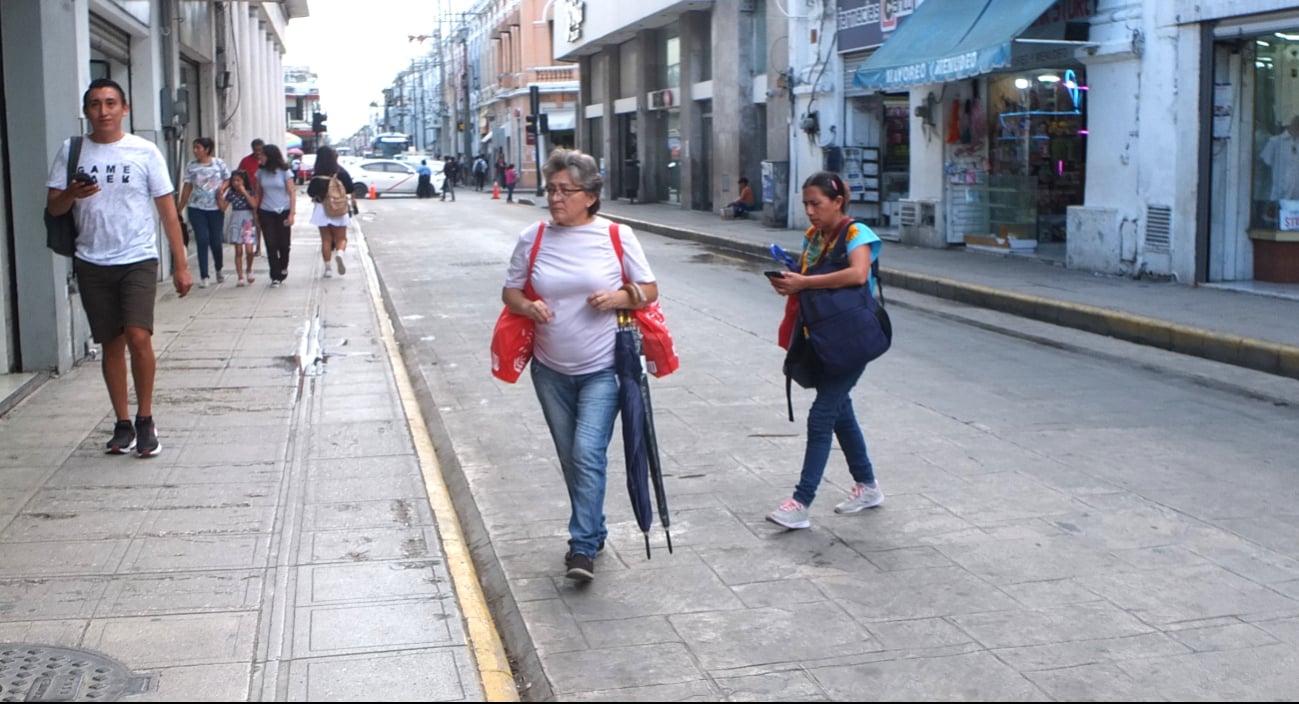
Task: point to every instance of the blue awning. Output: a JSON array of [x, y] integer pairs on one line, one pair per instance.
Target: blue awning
[[947, 40]]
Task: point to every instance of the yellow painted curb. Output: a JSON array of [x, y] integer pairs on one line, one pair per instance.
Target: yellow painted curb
[[484, 640]]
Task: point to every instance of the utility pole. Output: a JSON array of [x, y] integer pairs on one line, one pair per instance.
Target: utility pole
[[534, 97]]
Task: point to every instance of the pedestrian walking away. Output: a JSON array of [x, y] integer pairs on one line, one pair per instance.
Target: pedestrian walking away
[[205, 177], [578, 283], [241, 225], [480, 173], [448, 183], [511, 178], [825, 201], [116, 259], [329, 175], [277, 201]]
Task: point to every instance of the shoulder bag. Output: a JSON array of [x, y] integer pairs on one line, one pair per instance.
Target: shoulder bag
[[847, 327], [515, 334], [660, 354], [61, 230]]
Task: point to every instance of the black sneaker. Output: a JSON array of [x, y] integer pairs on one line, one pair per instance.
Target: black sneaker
[[146, 438], [580, 567], [123, 438]]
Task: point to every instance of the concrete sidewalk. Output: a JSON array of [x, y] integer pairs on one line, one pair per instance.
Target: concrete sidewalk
[[281, 546], [1245, 329]]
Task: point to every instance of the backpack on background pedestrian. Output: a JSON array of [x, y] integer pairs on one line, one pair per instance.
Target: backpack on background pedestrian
[[825, 200], [117, 258], [480, 173], [330, 189]]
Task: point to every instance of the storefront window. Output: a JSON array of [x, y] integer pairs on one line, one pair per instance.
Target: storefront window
[[1038, 151], [1275, 186]]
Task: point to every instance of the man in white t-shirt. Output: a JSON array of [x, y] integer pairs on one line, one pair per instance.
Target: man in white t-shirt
[[116, 262], [1281, 153]]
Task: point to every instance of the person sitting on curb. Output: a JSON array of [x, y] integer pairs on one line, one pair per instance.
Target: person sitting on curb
[[742, 205]]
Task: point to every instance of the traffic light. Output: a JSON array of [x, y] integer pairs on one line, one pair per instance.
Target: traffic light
[[543, 123], [531, 126], [318, 121]]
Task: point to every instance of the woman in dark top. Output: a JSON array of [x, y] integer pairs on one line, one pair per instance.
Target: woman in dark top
[[333, 229]]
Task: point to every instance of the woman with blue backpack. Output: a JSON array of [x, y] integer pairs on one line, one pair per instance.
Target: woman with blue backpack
[[838, 253]]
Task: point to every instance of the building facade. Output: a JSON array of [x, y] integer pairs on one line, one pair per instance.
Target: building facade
[[190, 69]]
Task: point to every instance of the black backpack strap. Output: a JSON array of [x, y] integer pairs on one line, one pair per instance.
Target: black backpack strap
[[74, 156], [879, 283], [789, 397]]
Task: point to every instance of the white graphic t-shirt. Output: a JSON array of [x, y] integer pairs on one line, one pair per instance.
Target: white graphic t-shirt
[[117, 225], [207, 180]]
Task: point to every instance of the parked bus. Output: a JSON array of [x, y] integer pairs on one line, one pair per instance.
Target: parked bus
[[390, 144]]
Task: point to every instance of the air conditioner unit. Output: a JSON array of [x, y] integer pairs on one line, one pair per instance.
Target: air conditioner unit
[[909, 213], [660, 99]]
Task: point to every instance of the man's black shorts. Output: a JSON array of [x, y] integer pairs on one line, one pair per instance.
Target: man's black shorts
[[116, 297]]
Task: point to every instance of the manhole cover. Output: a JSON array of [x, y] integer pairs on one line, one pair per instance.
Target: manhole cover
[[45, 673]]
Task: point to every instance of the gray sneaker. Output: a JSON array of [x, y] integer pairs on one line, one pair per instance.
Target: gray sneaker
[[863, 496], [791, 514]]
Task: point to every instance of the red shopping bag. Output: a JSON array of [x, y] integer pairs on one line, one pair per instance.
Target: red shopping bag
[[513, 337], [786, 331], [656, 342]]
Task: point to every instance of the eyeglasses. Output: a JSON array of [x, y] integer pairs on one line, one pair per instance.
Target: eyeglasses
[[563, 193]]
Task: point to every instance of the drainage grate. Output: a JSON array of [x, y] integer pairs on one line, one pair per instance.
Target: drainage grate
[[1159, 228], [45, 673]]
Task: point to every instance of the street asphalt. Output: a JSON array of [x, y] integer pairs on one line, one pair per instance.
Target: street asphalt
[[337, 515]]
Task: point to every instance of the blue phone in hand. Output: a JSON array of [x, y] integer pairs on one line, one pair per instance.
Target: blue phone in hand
[[783, 258]]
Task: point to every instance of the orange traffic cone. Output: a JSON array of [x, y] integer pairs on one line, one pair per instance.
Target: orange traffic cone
[[373, 193], [496, 191]]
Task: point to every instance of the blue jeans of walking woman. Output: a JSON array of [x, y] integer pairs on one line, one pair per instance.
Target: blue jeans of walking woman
[[208, 226], [580, 411], [832, 415]]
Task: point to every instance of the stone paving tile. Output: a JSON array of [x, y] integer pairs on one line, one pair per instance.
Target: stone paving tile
[[632, 593], [1254, 674], [170, 640], [367, 544], [1191, 593], [368, 581], [913, 594], [1006, 629], [185, 553], [72, 557], [218, 495], [784, 685], [269, 472], [194, 521], [332, 630], [421, 675], [918, 634], [1082, 652], [23, 599], [778, 593], [621, 669], [553, 629], [390, 513], [66, 633], [1228, 637], [1094, 682], [225, 682], [697, 690], [363, 489], [966, 677], [729, 639], [90, 524], [184, 592]]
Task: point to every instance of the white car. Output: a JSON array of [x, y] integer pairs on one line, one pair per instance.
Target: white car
[[389, 176]]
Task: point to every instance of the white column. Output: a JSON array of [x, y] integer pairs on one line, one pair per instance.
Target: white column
[[243, 45]]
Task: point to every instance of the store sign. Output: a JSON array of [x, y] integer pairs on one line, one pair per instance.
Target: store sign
[[660, 99], [576, 16], [864, 24]]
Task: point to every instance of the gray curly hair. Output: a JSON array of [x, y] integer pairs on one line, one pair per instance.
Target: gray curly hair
[[581, 167]]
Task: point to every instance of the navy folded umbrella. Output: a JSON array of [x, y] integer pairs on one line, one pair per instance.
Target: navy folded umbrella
[[640, 444]]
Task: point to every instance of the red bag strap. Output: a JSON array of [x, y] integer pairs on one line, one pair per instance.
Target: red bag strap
[[532, 259], [617, 249]]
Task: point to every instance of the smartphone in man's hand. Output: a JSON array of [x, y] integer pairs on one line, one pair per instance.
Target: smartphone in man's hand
[[774, 274]]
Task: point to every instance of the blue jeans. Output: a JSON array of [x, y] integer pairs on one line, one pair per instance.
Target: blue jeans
[[580, 411], [208, 226], [832, 414]]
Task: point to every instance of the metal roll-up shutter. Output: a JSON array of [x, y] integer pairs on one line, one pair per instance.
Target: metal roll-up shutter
[[113, 42]]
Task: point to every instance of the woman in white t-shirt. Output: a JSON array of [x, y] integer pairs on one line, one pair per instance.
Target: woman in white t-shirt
[[205, 177], [579, 285]]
